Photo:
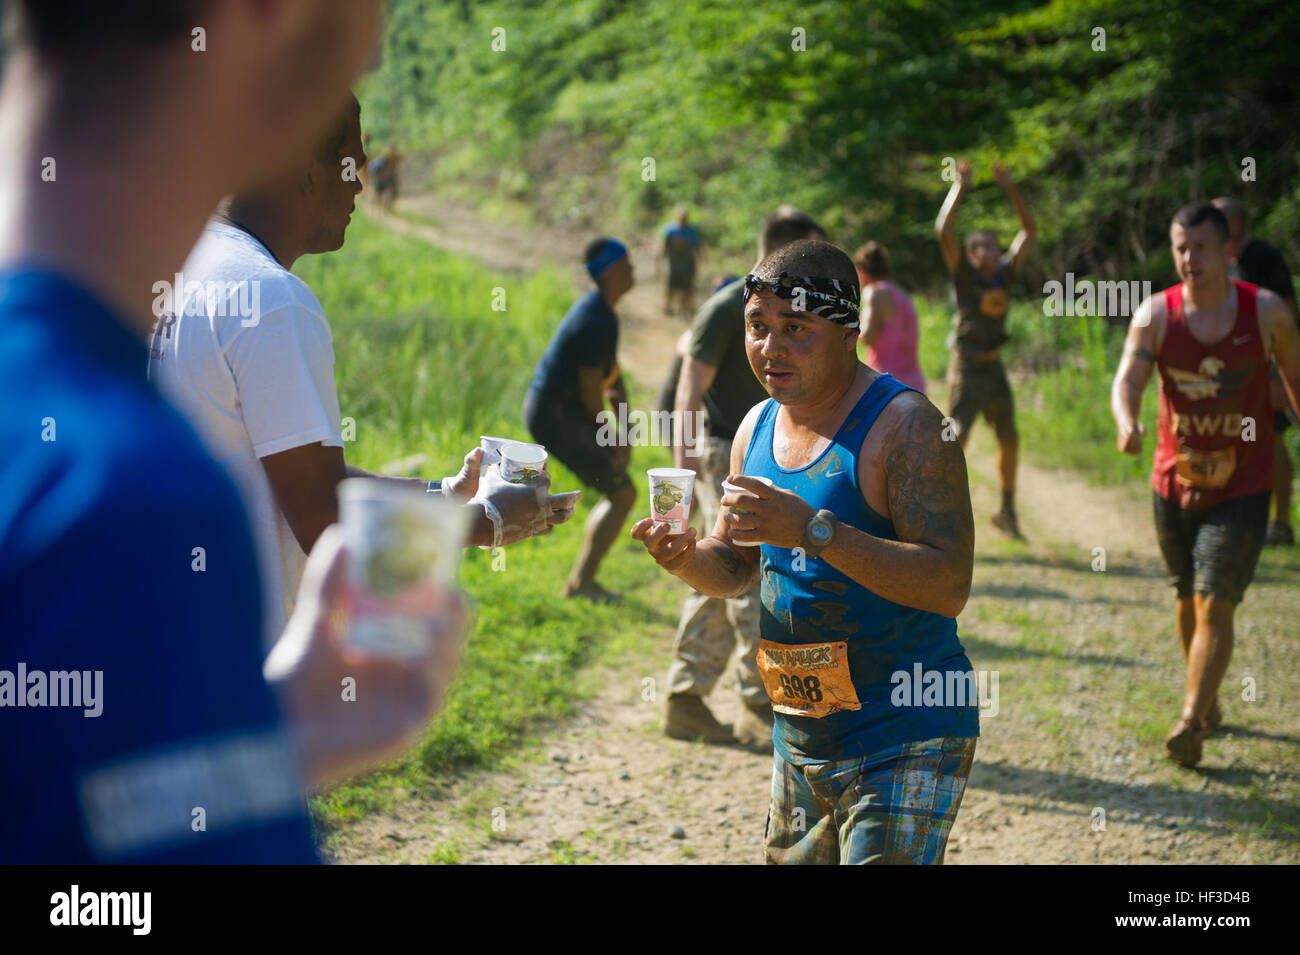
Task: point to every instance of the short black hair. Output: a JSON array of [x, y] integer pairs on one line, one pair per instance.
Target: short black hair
[[786, 224], [594, 248], [1197, 213], [58, 26], [813, 258]]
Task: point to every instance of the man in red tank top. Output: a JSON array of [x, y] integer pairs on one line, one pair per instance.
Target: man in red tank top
[[1211, 338]]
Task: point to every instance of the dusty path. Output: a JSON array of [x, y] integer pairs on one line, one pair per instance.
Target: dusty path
[[1089, 680]]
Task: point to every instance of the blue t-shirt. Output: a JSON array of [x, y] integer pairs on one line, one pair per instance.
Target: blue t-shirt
[[586, 338], [897, 655], [135, 725]]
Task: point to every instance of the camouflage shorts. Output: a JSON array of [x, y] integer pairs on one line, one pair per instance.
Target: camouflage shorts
[[893, 807]]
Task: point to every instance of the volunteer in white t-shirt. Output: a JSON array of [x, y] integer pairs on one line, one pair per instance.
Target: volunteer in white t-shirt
[[249, 357]]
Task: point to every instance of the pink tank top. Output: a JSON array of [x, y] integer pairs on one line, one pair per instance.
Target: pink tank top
[[895, 349]]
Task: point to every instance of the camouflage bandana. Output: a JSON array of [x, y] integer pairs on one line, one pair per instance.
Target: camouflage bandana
[[828, 298]]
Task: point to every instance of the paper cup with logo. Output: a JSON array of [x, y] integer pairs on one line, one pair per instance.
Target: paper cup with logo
[[404, 548], [670, 497], [728, 487], [522, 463]]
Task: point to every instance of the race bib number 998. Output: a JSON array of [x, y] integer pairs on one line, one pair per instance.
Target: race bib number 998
[[809, 679]]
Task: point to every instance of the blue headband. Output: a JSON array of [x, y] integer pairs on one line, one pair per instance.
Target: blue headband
[[611, 253]]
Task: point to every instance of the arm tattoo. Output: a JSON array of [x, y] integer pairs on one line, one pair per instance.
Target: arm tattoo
[[730, 562], [929, 499], [1140, 352]]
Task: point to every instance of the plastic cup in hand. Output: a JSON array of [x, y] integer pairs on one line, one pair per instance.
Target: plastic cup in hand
[[728, 487], [670, 497], [404, 551], [492, 448], [522, 463]]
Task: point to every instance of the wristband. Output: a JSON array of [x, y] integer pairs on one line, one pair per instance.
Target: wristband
[[440, 487], [494, 516]]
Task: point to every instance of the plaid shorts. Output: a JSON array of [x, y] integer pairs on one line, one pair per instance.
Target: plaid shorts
[[896, 806]]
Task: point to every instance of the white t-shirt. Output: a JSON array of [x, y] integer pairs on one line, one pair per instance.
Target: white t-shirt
[[249, 359]]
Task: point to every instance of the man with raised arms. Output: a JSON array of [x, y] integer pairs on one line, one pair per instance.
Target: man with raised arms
[[865, 557], [982, 276]]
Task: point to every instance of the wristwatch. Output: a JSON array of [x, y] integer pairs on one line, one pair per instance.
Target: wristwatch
[[819, 533]]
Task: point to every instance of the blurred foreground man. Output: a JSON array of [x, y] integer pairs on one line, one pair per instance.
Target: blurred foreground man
[[1211, 338], [867, 547], [131, 676]]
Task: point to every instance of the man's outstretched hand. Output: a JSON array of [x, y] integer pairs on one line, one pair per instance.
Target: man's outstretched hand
[[527, 510]]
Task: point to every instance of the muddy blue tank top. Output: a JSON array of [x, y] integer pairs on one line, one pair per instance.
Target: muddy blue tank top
[[910, 672]]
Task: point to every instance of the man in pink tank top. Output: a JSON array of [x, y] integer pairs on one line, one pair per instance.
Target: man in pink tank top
[[1211, 338], [889, 327]]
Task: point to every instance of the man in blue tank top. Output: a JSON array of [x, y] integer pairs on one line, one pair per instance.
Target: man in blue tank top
[[866, 546]]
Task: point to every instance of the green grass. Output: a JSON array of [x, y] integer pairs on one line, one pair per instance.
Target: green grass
[[424, 364]]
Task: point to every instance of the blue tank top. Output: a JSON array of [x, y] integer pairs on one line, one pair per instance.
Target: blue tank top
[[818, 603]]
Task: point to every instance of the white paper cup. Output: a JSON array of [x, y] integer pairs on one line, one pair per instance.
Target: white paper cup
[[670, 497], [522, 463], [727, 487], [404, 550]]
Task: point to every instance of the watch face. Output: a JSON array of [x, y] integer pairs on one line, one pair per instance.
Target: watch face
[[820, 532]]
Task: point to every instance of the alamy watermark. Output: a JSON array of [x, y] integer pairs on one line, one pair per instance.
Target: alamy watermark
[[241, 299], [638, 428], [84, 688], [1088, 298], [921, 687]]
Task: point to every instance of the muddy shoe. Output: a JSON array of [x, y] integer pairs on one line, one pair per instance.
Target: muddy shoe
[[1184, 744], [1006, 522], [754, 725], [1279, 535], [688, 718]]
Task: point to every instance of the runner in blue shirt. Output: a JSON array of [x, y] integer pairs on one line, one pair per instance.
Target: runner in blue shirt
[[681, 248], [867, 548]]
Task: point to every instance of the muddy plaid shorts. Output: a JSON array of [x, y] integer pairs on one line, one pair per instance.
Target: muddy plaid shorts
[[896, 806]]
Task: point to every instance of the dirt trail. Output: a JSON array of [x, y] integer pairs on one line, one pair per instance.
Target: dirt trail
[[608, 787]]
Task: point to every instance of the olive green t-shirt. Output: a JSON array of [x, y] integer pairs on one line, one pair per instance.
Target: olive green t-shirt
[[718, 339]]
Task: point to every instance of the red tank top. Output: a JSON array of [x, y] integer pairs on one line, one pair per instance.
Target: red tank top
[[1208, 451]]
